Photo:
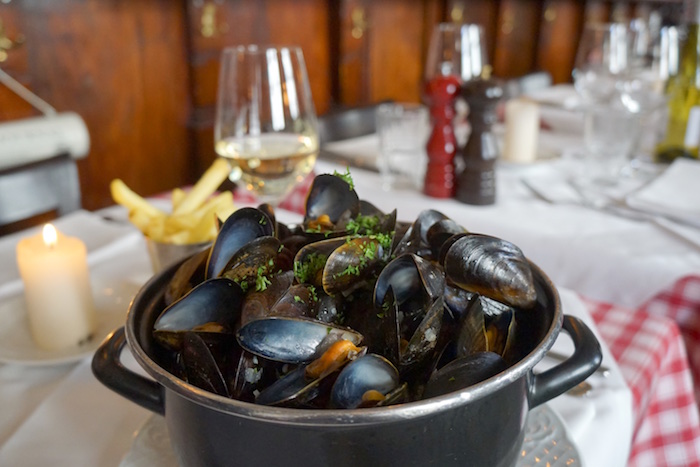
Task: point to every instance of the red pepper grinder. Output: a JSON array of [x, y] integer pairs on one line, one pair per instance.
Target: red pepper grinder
[[440, 95], [476, 183]]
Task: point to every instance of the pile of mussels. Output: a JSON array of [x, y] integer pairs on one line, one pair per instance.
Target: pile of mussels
[[350, 309]]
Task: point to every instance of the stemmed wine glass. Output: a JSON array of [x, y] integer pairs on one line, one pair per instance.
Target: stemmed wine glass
[[266, 123], [458, 50]]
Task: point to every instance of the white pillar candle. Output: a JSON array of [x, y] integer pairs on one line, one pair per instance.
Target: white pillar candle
[[522, 119], [57, 290]]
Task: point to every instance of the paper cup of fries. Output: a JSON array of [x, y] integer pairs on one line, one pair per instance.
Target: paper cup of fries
[[192, 223]]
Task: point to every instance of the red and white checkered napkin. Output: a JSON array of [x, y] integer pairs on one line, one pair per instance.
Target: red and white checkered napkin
[[651, 355]]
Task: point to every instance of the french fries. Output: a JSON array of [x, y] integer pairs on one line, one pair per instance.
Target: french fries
[[194, 213]]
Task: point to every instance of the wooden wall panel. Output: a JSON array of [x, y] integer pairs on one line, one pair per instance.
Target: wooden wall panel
[[353, 76], [517, 36], [561, 27], [382, 50], [396, 55], [122, 67]]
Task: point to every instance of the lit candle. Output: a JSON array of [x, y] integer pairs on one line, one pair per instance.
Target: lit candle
[[57, 290], [522, 121]]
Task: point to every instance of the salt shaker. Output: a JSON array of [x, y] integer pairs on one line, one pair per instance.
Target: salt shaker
[[476, 184], [442, 146]]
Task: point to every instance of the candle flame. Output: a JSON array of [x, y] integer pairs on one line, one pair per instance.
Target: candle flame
[[50, 235]]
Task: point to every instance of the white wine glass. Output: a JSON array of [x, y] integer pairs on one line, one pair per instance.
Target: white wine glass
[[266, 123]]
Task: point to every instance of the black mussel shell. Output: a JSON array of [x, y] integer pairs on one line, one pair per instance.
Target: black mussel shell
[[187, 276], [292, 340], [241, 227], [332, 196], [370, 372], [201, 369], [213, 307], [491, 267], [464, 372]]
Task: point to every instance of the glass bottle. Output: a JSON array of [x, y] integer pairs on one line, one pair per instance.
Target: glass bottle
[[683, 94]]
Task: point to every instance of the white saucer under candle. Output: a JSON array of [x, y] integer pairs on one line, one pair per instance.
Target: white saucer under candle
[[57, 289]]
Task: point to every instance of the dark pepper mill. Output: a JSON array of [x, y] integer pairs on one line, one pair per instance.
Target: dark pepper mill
[[476, 184]]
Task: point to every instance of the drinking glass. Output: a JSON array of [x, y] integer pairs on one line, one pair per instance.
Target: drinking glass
[[654, 57], [611, 118], [266, 124]]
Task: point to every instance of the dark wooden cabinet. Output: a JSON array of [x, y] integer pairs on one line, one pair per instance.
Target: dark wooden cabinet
[[143, 74]]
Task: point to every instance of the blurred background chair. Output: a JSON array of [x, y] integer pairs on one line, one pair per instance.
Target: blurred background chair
[[38, 169], [37, 192], [347, 123]]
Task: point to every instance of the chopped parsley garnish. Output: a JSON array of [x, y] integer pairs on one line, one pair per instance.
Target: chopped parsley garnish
[[363, 224], [306, 270], [347, 178], [262, 281], [312, 291]]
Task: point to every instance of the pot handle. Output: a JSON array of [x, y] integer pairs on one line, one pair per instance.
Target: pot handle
[[108, 369], [583, 362]]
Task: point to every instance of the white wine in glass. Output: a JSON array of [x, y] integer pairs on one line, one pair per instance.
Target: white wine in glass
[[265, 119]]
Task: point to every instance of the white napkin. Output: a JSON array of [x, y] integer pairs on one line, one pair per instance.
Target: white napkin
[[600, 423], [363, 149], [102, 239], [675, 193], [559, 109]]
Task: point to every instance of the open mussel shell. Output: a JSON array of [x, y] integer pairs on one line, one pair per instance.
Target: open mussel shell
[[213, 307], [331, 196], [201, 369], [293, 387], [491, 267], [256, 257], [350, 264], [415, 239], [241, 227], [411, 288], [258, 304], [292, 340], [310, 260], [487, 325], [362, 377], [409, 276], [187, 276], [440, 232], [464, 372]]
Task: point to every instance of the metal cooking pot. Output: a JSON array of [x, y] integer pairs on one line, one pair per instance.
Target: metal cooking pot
[[481, 425]]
